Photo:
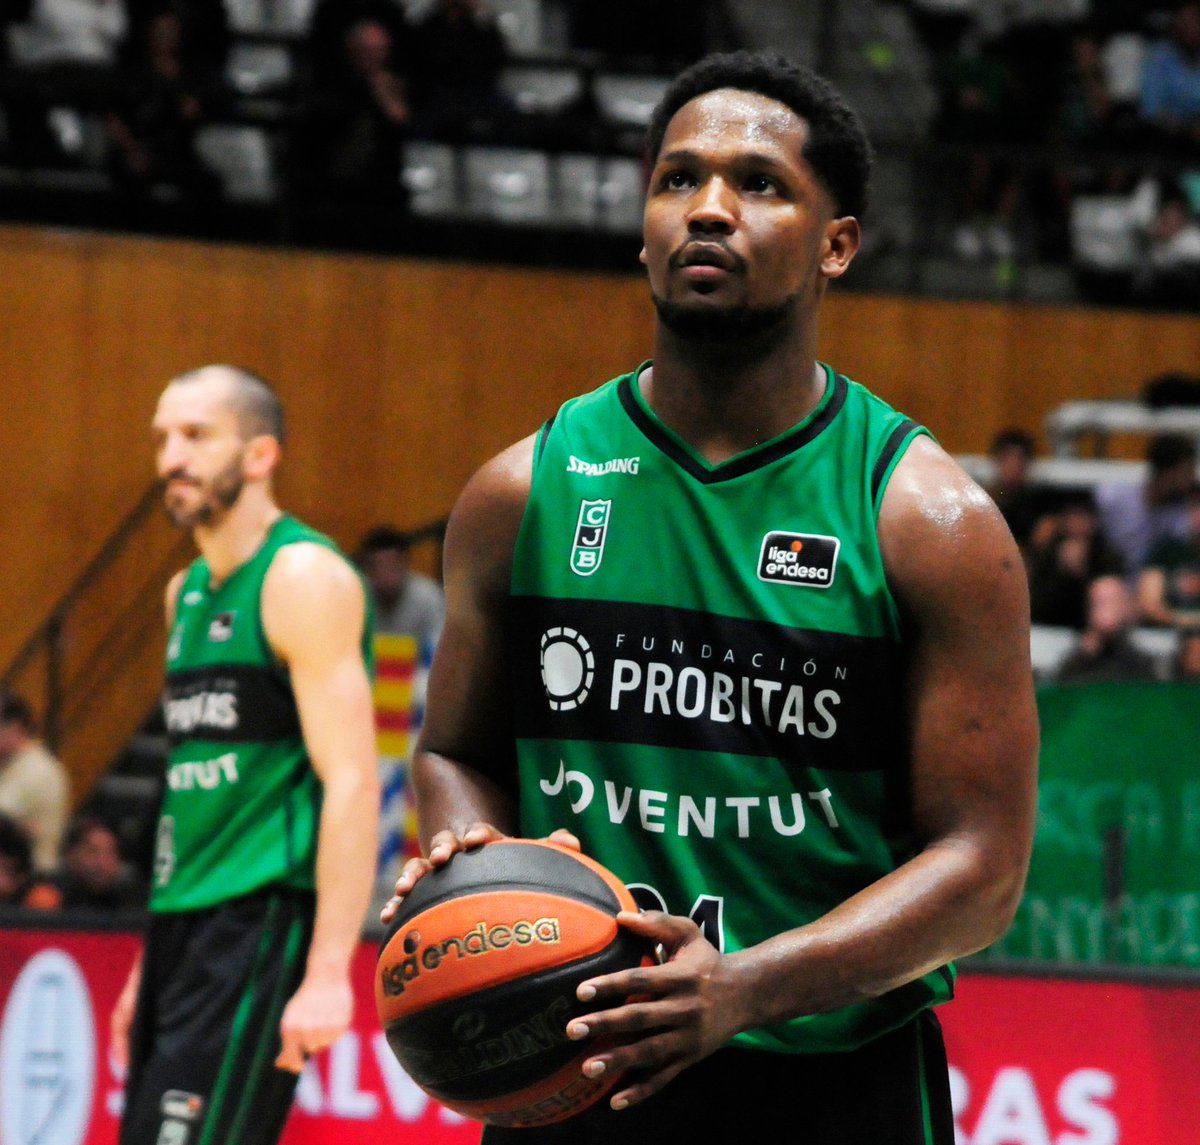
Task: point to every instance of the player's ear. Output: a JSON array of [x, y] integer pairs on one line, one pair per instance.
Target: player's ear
[[843, 237], [261, 456], [642, 256]]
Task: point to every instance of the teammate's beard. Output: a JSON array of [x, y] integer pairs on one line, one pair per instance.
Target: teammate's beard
[[223, 491], [748, 326]]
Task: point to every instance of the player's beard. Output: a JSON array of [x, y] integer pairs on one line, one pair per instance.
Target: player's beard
[[219, 495], [749, 327]]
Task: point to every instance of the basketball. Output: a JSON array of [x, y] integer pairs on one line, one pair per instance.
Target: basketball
[[477, 974]]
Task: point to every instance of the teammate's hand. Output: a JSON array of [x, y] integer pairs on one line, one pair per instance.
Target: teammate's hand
[[121, 1019], [315, 1017], [442, 847], [665, 1017]]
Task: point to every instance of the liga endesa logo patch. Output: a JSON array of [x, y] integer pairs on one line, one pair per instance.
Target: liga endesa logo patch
[[798, 558], [480, 939]]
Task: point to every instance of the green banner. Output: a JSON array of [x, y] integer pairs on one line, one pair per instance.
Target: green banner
[[1115, 875]]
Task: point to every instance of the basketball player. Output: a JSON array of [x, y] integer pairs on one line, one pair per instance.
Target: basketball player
[[264, 857], [756, 642]]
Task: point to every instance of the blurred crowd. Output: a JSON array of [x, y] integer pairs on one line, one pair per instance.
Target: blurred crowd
[[1107, 93], [1110, 560], [50, 861]]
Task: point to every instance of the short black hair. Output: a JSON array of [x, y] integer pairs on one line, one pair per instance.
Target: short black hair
[[837, 147], [383, 538], [1014, 439], [1167, 450], [15, 709]]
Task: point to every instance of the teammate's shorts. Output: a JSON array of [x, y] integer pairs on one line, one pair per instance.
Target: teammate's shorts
[[206, 1031], [893, 1091]]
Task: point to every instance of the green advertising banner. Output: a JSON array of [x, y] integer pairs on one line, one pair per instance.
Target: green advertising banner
[[1116, 863]]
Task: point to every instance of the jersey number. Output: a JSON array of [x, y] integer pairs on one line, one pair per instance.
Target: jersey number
[[708, 911]]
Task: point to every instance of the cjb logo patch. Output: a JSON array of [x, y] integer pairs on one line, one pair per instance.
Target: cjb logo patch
[[590, 532], [798, 558]]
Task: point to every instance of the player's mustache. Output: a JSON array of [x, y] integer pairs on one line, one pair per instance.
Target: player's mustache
[[706, 250], [178, 475]]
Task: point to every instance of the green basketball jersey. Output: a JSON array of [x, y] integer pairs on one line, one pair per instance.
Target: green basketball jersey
[[242, 802], [707, 672]]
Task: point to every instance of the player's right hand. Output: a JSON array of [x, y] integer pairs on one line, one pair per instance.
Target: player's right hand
[[442, 847]]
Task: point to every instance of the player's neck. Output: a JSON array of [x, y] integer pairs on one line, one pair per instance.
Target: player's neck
[[239, 534], [722, 406]]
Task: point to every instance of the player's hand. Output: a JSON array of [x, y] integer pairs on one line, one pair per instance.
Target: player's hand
[[121, 1019], [315, 1017], [442, 847], [683, 1009]]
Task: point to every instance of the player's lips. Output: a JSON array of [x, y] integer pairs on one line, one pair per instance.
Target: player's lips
[[710, 255]]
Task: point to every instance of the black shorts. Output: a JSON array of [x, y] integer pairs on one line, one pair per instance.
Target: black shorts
[[206, 1031], [893, 1091]]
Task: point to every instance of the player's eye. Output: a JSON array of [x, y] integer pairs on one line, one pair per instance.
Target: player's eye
[[677, 180], [760, 184]]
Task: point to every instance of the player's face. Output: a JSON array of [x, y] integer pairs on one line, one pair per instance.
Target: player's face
[[735, 218], [200, 452]]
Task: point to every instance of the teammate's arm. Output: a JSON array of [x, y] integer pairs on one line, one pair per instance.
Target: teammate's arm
[[121, 1018], [972, 720], [464, 767], [313, 611]]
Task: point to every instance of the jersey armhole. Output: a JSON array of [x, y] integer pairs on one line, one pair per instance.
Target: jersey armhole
[[543, 436], [894, 448]]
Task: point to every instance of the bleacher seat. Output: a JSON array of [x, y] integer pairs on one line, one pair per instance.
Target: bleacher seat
[[242, 157], [629, 100], [526, 26], [1049, 646], [597, 191], [541, 91], [430, 172], [508, 185], [255, 68], [270, 17]]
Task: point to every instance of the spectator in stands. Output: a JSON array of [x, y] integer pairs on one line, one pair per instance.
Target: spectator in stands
[[1066, 555], [978, 111], [152, 129], [92, 875], [1134, 517], [1171, 81], [1020, 501], [332, 19], [19, 885], [406, 602], [34, 787], [1105, 651], [351, 135], [1168, 588], [458, 53], [1186, 664]]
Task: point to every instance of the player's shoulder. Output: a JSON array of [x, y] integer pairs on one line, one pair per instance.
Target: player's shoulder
[[937, 524], [308, 567]]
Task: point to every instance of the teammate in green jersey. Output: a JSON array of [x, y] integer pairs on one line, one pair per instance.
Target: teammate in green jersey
[[265, 856], [751, 637]]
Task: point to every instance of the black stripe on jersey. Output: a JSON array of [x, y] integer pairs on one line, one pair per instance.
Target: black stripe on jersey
[[890, 447], [744, 463], [230, 703], [615, 672], [543, 437]]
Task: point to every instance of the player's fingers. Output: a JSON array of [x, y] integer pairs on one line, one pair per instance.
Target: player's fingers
[[291, 1056], [564, 838], [644, 1087]]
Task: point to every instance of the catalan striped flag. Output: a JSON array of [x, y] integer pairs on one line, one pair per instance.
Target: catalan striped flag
[[401, 670]]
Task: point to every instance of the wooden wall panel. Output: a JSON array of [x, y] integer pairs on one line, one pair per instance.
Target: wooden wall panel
[[400, 377]]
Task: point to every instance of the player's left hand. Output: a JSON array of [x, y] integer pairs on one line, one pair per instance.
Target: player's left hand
[[315, 1017], [679, 1011]]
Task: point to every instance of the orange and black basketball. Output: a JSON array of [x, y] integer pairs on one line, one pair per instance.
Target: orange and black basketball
[[477, 975]]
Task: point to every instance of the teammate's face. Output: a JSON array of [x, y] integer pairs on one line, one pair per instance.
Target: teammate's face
[[200, 452], [736, 222]]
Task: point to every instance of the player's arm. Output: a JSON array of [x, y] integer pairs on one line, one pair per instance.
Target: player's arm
[[464, 767], [121, 1018], [956, 572], [313, 612]]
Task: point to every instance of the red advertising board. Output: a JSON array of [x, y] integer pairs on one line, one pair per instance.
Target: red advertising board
[[1034, 1061]]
